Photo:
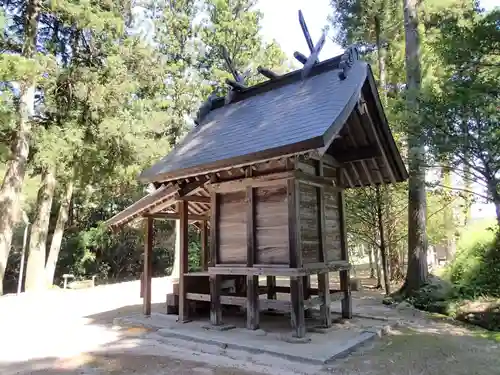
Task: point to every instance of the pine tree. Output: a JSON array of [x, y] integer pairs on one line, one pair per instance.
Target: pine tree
[[24, 67]]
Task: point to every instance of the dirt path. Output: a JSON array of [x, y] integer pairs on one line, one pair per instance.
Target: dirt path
[[71, 333]]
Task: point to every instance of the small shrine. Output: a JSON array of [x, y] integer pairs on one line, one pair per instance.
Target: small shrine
[[263, 174]]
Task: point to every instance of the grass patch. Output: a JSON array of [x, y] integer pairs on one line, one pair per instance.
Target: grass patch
[[495, 336], [469, 288]]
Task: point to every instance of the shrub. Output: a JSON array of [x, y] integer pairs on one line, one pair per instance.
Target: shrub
[[476, 267]]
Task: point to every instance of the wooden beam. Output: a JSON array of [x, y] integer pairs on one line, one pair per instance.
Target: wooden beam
[[267, 72], [316, 181], [359, 153], [215, 300], [252, 280], [196, 198], [324, 296], [380, 145], [257, 271], [182, 190], [297, 314], [344, 274], [204, 246], [271, 287], [148, 265], [177, 216], [256, 181], [183, 264], [327, 266], [348, 178], [214, 279], [323, 256]]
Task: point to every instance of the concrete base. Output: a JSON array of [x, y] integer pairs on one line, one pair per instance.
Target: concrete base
[[315, 348]]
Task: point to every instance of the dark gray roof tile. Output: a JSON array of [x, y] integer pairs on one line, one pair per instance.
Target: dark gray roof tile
[[286, 115]]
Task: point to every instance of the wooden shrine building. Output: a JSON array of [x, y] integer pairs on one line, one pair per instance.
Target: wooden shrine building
[[263, 175]]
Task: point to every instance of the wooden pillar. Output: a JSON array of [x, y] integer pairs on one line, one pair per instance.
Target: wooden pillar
[[345, 285], [296, 283], [271, 287], [252, 281], [183, 265], [323, 278], [324, 295], [148, 265], [298, 313], [204, 256], [214, 280]]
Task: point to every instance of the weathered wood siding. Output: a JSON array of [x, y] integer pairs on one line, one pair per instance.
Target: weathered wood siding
[[308, 212], [232, 228], [332, 223], [271, 225]]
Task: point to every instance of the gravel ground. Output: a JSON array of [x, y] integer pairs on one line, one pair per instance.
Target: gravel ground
[[70, 332]]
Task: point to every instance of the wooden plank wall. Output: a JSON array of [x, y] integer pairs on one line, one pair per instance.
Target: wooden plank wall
[[308, 207], [332, 224], [309, 217], [232, 228], [271, 224]]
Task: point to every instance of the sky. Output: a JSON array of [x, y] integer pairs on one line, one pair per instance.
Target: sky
[[281, 23]]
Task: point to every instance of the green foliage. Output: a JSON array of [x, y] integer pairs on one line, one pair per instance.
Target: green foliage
[[475, 269]]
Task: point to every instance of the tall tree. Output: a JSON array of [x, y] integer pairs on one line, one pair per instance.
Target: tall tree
[[416, 275], [235, 26], [24, 69], [465, 105]]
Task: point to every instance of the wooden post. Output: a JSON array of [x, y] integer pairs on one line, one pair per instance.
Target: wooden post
[[324, 295], [323, 278], [252, 281], [298, 313], [183, 265], [345, 285], [148, 265], [204, 256], [214, 280], [271, 285], [296, 283]]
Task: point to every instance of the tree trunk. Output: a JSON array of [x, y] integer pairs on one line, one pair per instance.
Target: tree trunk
[[417, 273], [383, 251], [493, 188], [35, 269], [381, 56], [10, 191], [370, 259], [448, 217], [55, 245], [377, 267]]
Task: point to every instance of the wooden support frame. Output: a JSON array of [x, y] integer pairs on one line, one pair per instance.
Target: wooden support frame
[[323, 277], [256, 181], [204, 258], [252, 280], [296, 283], [177, 216], [271, 287], [183, 305], [214, 279], [148, 265], [344, 274]]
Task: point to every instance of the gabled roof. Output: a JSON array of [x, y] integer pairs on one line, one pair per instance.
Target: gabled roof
[[277, 117]]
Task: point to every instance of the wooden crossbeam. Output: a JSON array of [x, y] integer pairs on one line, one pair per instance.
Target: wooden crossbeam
[[176, 216], [358, 154]]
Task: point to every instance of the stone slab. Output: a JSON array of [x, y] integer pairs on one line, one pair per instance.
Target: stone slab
[[316, 348]]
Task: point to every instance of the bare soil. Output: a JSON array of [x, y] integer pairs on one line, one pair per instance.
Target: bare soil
[[70, 332]]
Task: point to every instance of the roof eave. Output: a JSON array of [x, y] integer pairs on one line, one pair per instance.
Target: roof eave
[[239, 161]]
